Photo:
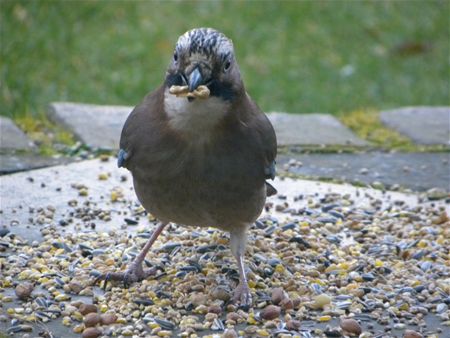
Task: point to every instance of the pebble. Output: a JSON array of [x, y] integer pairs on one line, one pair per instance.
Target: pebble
[[108, 318], [24, 290], [91, 332], [270, 312], [278, 295], [412, 334], [351, 326], [92, 319], [87, 308]]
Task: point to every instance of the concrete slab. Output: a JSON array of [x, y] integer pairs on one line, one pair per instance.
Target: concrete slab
[[12, 138], [58, 189], [11, 163], [424, 125], [416, 171], [96, 126], [312, 129], [74, 197], [100, 126]]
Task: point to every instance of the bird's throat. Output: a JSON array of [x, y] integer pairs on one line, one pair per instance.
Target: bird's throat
[[195, 117]]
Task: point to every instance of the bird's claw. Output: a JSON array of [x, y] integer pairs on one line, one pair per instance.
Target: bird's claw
[[243, 295], [133, 274], [112, 276]]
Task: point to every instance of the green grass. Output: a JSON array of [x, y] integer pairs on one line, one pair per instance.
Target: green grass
[[295, 56]]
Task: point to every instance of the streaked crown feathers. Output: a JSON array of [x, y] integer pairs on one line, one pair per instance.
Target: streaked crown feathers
[[206, 41]]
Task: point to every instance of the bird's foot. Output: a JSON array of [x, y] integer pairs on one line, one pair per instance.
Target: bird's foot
[[134, 273], [242, 295]]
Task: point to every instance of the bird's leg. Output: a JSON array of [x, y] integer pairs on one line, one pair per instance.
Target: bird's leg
[[238, 240], [135, 272]]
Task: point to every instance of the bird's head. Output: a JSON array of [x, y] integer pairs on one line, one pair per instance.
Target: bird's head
[[204, 56]]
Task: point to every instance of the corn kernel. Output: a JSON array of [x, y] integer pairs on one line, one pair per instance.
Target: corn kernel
[[279, 268], [103, 176], [324, 318], [263, 333]]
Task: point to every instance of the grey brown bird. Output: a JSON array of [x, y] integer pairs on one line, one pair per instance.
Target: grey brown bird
[[200, 161]]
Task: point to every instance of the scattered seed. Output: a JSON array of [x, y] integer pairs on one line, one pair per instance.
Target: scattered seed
[[270, 312], [91, 332], [24, 290], [351, 326]]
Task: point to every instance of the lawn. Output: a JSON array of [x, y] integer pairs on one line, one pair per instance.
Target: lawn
[[295, 56]]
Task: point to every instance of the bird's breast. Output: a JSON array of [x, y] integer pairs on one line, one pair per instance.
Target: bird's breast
[[210, 186]]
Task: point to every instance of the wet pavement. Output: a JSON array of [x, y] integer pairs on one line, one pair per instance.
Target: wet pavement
[[415, 171]]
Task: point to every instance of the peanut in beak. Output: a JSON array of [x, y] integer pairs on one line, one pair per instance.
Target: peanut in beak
[[202, 92]]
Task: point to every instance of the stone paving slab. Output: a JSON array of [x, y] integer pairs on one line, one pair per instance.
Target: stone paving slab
[[416, 171], [312, 129], [100, 126], [424, 125], [11, 163], [96, 126], [12, 138]]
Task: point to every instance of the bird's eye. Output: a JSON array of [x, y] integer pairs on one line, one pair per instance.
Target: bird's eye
[[175, 56], [226, 66]]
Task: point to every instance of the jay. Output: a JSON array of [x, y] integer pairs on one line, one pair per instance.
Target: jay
[[200, 161]]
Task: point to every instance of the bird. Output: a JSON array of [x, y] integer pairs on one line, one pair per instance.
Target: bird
[[200, 161]]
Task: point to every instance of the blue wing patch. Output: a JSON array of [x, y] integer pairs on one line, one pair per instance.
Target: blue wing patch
[[270, 171], [121, 158]]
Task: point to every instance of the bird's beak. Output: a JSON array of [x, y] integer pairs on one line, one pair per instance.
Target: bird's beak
[[195, 79]]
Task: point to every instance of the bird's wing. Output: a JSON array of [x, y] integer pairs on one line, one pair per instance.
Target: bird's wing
[[269, 141], [259, 122], [141, 127]]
